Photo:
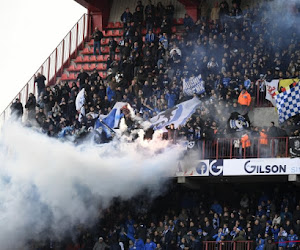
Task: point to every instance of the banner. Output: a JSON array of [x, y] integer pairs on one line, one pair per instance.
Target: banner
[[240, 167], [271, 88], [294, 146], [285, 83], [237, 122], [177, 115], [80, 100], [79, 103], [193, 85], [113, 118], [288, 103]]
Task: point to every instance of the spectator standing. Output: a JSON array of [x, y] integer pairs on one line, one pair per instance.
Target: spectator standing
[[244, 100], [126, 17], [112, 44], [30, 106], [17, 109], [97, 36], [40, 81]]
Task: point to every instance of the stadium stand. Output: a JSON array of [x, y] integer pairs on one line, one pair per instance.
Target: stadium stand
[[236, 52]]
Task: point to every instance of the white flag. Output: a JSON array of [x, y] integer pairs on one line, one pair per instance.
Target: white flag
[[80, 100], [177, 115], [271, 88]]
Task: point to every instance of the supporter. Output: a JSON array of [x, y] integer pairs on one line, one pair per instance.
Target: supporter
[[126, 18], [100, 245], [40, 81], [31, 106], [244, 100], [97, 36], [17, 109]]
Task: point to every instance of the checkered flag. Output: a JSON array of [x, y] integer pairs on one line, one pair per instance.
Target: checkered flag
[[288, 102]]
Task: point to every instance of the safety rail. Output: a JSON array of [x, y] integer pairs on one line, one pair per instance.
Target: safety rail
[[228, 245], [232, 148], [53, 66]]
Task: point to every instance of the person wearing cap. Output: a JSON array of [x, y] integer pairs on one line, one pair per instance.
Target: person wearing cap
[[100, 244]]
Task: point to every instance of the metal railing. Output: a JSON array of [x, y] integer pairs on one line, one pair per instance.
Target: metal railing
[[233, 148], [53, 66], [228, 245]]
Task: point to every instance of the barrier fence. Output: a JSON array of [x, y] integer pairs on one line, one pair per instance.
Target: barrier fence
[[228, 245], [53, 66], [247, 245], [230, 148]]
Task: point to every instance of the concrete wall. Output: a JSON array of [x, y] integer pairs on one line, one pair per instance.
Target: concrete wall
[[263, 116]]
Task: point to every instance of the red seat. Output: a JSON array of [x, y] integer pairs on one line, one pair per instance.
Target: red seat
[[86, 59], [86, 67], [144, 31], [110, 25], [173, 29], [100, 66], [93, 58], [157, 31], [91, 43], [118, 33], [180, 21], [118, 25], [92, 66], [108, 33], [117, 57], [64, 77], [105, 50], [103, 74], [117, 50], [78, 67], [78, 59], [72, 76], [100, 58], [71, 68], [105, 41], [87, 51], [105, 57]]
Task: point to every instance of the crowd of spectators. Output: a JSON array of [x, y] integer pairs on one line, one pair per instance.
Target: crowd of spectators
[[185, 219], [235, 50]]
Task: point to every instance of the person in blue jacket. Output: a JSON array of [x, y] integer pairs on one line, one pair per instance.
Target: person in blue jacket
[[218, 236], [291, 238], [261, 245], [150, 245], [138, 243], [282, 238]]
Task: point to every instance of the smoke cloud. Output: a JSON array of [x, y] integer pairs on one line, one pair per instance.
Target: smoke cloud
[[49, 185]]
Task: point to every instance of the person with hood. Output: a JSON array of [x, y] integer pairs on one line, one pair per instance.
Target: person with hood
[[100, 245]]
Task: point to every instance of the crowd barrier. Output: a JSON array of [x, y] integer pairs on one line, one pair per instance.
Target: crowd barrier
[[232, 148], [228, 245], [246, 245]]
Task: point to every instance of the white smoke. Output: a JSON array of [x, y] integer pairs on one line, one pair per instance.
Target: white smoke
[[45, 183]]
